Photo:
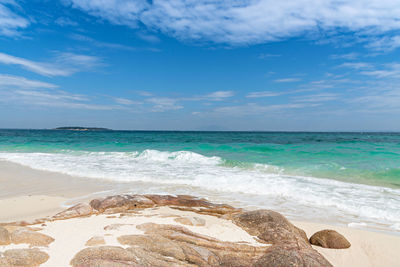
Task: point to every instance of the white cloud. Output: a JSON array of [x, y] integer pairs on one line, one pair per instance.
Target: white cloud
[[18, 90], [263, 94], [125, 101], [53, 95], [64, 64], [64, 21], [251, 21], [162, 104], [348, 56], [390, 71], [356, 65], [386, 43], [47, 98], [219, 95], [256, 109], [316, 98], [266, 55], [84, 38], [378, 100], [10, 22], [21, 82], [287, 80], [149, 37]]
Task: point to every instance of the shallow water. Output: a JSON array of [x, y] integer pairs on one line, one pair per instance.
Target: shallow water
[[350, 178]]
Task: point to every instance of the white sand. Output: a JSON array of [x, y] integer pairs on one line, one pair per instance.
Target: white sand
[[18, 180], [27, 194], [29, 207], [367, 248], [71, 235]]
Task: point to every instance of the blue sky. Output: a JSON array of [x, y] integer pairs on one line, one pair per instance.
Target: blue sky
[[304, 65]]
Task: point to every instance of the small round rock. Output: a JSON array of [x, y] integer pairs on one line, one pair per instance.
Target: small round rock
[[329, 239]]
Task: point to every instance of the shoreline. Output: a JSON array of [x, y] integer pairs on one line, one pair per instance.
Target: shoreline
[[367, 248], [28, 208], [27, 186]]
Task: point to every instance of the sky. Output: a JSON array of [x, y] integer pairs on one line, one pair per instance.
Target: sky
[[256, 65]]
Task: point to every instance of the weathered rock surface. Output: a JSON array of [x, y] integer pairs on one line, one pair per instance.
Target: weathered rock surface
[[271, 227], [124, 203], [23, 258], [121, 203], [189, 203], [282, 257], [79, 210], [290, 244], [24, 235], [104, 256], [95, 241], [329, 239], [169, 245], [4, 236], [192, 221], [172, 245]]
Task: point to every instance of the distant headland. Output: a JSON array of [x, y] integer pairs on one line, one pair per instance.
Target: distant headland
[[69, 128]]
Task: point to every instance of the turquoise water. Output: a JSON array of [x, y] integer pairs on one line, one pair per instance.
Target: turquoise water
[[370, 158], [353, 178]]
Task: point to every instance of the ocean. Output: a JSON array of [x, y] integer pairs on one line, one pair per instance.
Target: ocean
[[345, 178]]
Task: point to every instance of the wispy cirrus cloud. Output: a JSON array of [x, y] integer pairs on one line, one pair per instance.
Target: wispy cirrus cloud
[[126, 101], [347, 56], [65, 21], [356, 65], [261, 94], [64, 64], [315, 98], [250, 22], [22, 82], [161, 104], [385, 43], [10, 21], [287, 80], [387, 71], [219, 95], [257, 109], [17, 90]]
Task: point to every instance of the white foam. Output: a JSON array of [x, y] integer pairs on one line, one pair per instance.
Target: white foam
[[261, 186]]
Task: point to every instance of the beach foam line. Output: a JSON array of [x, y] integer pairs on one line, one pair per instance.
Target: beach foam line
[[345, 202]]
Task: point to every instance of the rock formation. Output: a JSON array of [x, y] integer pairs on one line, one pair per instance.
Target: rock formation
[[329, 239], [280, 243]]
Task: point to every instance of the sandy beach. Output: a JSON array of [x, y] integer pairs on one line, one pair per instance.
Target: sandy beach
[[33, 194], [71, 235]]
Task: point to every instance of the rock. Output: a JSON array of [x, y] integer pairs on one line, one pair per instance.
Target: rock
[[24, 257], [79, 210], [149, 259], [4, 237], [192, 221], [182, 200], [121, 203], [153, 243], [111, 256], [281, 257], [290, 244], [329, 239], [95, 241], [33, 238], [270, 227], [197, 249]]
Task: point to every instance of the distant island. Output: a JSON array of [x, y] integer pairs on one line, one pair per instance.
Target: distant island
[[82, 129]]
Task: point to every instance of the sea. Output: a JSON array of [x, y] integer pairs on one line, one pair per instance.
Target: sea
[[345, 178]]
